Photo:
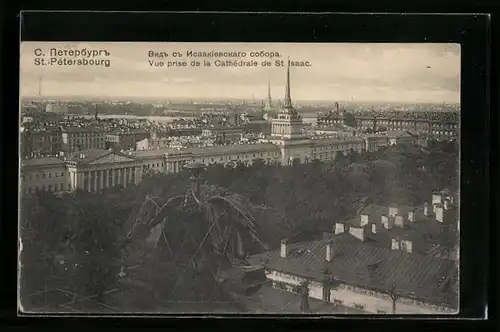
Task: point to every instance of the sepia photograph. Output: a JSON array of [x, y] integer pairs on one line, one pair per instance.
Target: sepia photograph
[[239, 178]]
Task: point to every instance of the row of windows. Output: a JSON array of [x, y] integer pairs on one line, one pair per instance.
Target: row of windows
[[47, 138], [254, 155], [92, 134], [42, 175], [49, 188], [93, 145], [153, 165], [341, 147], [77, 140]]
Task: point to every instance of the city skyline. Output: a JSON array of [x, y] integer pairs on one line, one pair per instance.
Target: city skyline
[[406, 73]]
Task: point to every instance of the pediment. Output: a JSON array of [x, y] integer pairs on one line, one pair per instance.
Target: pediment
[[112, 158]]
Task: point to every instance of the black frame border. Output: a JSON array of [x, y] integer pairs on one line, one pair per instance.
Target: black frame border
[[471, 31]]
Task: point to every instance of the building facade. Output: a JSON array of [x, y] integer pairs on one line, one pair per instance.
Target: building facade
[[89, 170], [346, 271], [223, 135], [76, 138], [436, 124]]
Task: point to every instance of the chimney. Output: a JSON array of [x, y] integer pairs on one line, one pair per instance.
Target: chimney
[[436, 198], [393, 210], [439, 213], [398, 220], [407, 245], [339, 228], [374, 228], [387, 222], [395, 244], [329, 251], [358, 233], [411, 216], [364, 220], [284, 248], [426, 209]]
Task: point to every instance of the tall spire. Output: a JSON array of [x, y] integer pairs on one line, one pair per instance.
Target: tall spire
[[288, 99], [269, 91]]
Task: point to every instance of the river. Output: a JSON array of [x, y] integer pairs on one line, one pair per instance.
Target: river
[[165, 119]]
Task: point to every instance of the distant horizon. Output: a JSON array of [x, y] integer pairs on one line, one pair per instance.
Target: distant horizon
[[201, 99]]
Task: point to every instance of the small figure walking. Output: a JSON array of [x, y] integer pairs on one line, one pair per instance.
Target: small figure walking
[[304, 297]]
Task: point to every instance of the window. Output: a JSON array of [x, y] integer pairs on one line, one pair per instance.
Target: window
[[29, 177], [29, 190], [43, 188], [43, 176], [55, 187]]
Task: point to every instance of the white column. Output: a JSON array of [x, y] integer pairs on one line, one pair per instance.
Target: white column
[[95, 180], [81, 178], [113, 181], [89, 181], [102, 174], [106, 177]]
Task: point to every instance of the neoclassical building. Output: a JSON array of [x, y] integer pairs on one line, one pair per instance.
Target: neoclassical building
[[89, 170]]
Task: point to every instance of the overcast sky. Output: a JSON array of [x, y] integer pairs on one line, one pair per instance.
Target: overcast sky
[[340, 71]]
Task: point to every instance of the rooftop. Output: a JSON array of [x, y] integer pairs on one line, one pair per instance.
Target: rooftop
[[425, 233], [395, 133], [234, 148], [43, 161], [154, 153], [361, 264], [80, 129]]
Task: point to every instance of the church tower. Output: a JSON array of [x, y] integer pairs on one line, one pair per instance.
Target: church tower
[[268, 105], [288, 124]]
